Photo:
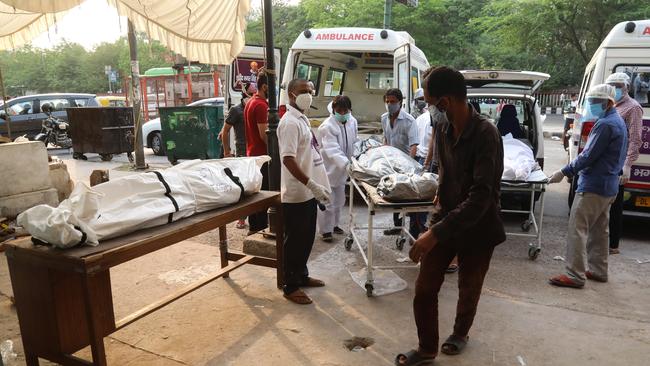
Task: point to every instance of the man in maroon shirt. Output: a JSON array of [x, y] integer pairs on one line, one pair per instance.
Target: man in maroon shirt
[[256, 114]]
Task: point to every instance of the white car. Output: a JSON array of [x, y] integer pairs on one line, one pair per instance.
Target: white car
[[151, 129]]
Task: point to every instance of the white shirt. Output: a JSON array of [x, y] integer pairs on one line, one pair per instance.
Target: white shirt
[[296, 139], [337, 142], [424, 133], [403, 134]]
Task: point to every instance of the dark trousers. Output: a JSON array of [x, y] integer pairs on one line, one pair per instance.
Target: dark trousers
[[299, 233], [616, 219], [260, 220], [473, 264]]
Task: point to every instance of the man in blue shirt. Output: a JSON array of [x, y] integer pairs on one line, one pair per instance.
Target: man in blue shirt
[[400, 131], [598, 166]]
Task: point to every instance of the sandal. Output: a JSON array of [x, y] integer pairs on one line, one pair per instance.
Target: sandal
[[454, 345], [413, 358], [564, 281], [312, 282], [591, 276], [614, 251], [298, 297], [453, 268], [338, 230]]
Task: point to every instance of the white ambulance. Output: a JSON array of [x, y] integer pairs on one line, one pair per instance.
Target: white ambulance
[[625, 49], [361, 63]]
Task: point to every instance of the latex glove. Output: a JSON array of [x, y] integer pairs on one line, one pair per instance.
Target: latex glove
[[320, 193], [556, 177], [626, 175]]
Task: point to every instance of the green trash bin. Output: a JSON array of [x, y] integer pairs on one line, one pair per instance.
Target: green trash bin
[[191, 132]]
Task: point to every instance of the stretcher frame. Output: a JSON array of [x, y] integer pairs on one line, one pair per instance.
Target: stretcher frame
[[377, 204]]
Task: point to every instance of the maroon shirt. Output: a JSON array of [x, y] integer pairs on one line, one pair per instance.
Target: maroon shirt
[[470, 170]]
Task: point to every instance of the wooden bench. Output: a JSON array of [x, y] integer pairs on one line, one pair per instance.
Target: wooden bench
[[63, 297]]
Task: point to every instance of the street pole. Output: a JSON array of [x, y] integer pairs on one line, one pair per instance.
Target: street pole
[[273, 119], [388, 12], [4, 106], [136, 92]]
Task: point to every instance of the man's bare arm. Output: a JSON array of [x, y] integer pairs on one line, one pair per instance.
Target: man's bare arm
[[261, 128], [293, 168]]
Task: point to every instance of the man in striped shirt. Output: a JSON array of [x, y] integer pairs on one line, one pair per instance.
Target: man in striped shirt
[[632, 113]]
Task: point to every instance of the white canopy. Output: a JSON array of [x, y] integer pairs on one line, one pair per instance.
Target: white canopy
[[207, 31]]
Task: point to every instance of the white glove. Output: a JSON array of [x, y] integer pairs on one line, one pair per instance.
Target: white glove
[[320, 193], [556, 177], [626, 175]]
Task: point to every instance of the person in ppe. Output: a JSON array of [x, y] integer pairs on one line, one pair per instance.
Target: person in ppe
[[632, 114], [598, 168], [338, 133], [303, 187], [419, 106]]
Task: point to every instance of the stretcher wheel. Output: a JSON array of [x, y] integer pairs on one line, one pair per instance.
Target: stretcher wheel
[[106, 157], [399, 243], [348, 243], [369, 289], [525, 226], [533, 252]]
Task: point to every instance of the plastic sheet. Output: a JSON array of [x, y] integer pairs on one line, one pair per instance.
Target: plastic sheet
[[518, 159], [362, 146], [378, 162], [408, 187]]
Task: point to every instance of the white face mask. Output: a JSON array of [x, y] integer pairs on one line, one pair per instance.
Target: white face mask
[[303, 101], [437, 114]]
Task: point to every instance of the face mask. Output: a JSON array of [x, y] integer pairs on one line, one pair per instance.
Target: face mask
[[618, 95], [392, 108], [437, 114], [596, 109], [342, 118], [420, 104], [303, 101]]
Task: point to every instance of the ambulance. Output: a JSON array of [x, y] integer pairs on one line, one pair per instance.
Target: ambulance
[[361, 63], [625, 49]]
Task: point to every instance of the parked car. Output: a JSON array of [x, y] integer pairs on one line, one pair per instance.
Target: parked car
[[151, 129], [112, 101], [26, 114]]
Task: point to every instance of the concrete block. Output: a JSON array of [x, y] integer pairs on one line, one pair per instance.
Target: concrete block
[[260, 246], [60, 179], [24, 168], [11, 206]]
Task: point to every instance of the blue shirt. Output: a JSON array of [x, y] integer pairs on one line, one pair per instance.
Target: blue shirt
[[601, 162], [404, 132]]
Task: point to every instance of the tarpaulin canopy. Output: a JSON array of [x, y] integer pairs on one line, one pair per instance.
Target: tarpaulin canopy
[[207, 31]]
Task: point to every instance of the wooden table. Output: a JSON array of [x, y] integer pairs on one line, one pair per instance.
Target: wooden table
[[63, 297]]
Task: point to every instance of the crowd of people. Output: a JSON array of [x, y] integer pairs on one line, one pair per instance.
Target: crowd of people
[[450, 137]]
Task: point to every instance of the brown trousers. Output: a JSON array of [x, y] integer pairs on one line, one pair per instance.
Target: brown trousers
[[473, 263]]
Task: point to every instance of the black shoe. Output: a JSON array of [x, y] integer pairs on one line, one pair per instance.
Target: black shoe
[[338, 230], [393, 231], [327, 237]]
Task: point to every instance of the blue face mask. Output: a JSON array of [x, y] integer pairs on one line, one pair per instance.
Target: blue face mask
[[596, 109], [342, 118], [618, 94]]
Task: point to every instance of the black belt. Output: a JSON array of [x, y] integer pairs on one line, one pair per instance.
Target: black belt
[[235, 180], [168, 194]]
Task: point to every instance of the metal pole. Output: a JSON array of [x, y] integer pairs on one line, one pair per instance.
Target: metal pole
[[4, 106], [388, 12], [136, 92], [273, 149]]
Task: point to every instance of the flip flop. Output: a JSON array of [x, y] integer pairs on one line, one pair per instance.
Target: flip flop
[[298, 297], [313, 282], [564, 281], [453, 268], [413, 358], [454, 345]]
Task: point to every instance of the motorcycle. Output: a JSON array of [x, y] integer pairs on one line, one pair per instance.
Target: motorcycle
[[54, 131]]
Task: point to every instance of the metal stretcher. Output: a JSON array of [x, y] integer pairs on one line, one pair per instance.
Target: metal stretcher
[[375, 204], [535, 184]]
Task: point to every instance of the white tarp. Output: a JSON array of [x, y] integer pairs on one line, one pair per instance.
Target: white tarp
[[518, 159], [143, 200], [207, 31]]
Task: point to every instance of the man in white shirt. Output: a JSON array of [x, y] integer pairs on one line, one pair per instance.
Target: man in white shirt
[[304, 186]]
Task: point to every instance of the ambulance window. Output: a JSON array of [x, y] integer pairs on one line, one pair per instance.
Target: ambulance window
[[415, 79], [379, 80], [639, 82], [310, 72], [334, 83], [585, 86], [402, 79]]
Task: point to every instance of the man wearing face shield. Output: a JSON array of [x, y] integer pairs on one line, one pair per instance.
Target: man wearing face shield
[[338, 133], [303, 186], [465, 219], [419, 106], [400, 131], [598, 168], [632, 114]]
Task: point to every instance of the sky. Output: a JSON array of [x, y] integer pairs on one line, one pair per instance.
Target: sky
[[92, 23]]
